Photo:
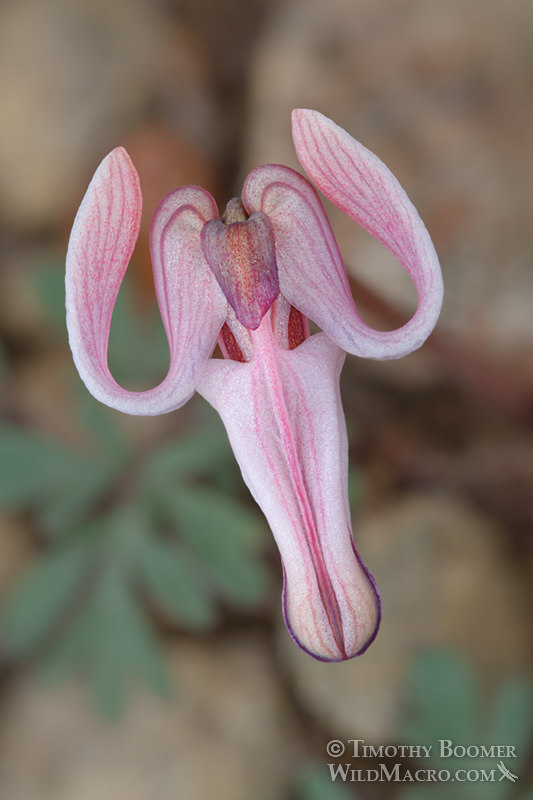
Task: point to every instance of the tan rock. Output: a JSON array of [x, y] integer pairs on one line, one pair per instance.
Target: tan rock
[[228, 734], [73, 79], [22, 310], [445, 582], [48, 392]]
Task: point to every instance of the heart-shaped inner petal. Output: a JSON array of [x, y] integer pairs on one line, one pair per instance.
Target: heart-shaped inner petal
[[242, 257]]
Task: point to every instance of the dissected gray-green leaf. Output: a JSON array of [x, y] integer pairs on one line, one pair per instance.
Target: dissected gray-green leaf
[[40, 474], [101, 423], [444, 699], [110, 641], [165, 529], [41, 598], [30, 466], [203, 455], [138, 349], [445, 703], [175, 584], [49, 286], [315, 783], [226, 537], [510, 718], [74, 500]]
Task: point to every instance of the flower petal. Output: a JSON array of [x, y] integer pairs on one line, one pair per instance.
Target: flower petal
[[358, 183], [310, 269], [311, 272], [101, 244], [283, 414]]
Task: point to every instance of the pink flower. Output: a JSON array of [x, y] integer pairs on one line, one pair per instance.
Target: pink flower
[[250, 281]]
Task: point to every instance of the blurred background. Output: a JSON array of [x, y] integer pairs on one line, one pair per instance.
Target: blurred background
[[142, 650]]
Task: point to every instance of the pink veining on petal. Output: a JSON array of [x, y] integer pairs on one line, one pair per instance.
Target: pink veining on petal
[[364, 188], [284, 419], [192, 306], [302, 230]]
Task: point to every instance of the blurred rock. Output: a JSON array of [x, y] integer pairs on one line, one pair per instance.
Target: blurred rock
[[73, 78], [43, 392], [445, 581], [441, 92], [499, 474], [32, 297], [165, 160], [227, 735], [48, 394]]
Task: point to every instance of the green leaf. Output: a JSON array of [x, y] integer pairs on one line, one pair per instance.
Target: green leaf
[[138, 348], [174, 583], [226, 538], [101, 423], [202, 455], [214, 522], [30, 466], [73, 501], [121, 534], [444, 695], [49, 285], [356, 487], [110, 641], [60, 485], [41, 597], [510, 719], [315, 783]]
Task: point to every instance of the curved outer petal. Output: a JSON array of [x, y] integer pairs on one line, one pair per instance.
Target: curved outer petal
[[192, 306], [311, 273], [358, 183], [283, 414]]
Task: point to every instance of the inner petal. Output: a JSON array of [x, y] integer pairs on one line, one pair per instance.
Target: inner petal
[[290, 327], [242, 257]]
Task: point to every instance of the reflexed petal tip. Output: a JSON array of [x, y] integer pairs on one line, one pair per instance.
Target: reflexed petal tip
[[101, 244], [358, 183], [364, 607]]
